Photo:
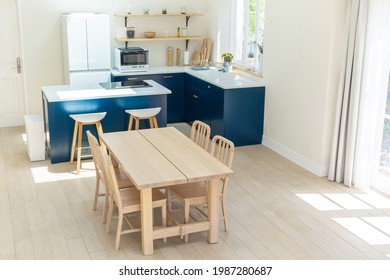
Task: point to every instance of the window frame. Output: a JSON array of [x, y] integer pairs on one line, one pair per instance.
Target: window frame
[[244, 60]]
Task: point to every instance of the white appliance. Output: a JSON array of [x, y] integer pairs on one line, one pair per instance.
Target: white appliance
[[86, 49]]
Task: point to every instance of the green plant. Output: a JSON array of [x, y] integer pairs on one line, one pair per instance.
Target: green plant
[[227, 57]]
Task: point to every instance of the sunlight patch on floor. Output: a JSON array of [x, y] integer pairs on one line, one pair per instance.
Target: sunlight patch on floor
[[43, 174], [381, 223], [319, 202], [364, 231], [347, 201], [374, 199]]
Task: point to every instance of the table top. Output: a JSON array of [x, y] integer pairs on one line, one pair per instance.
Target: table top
[[161, 157]]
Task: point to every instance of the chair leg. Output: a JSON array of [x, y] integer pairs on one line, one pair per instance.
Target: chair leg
[[186, 216], [151, 122], [119, 230], [136, 123], [80, 138], [76, 126], [99, 130], [224, 215], [169, 198], [105, 208], [155, 122], [164, 216], [109, 217], [130, 123], [95, 199]]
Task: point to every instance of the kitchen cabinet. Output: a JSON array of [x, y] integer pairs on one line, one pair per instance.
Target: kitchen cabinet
[[175, 100], [158, 16], [237, 114], [204, 102], [174, 82]]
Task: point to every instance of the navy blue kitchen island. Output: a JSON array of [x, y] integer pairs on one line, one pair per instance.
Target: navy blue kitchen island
[[61, 101]]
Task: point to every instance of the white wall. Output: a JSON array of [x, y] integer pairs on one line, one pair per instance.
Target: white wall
[[42, 44], [302, 43]]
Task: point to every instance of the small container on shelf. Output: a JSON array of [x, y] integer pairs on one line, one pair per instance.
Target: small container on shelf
[[170, 56], [130, 32]]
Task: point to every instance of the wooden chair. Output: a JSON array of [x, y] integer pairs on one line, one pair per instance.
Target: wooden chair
[[127, 201], [80, 121], [143, 114], [200, 134], [195, 194], [121, 177]]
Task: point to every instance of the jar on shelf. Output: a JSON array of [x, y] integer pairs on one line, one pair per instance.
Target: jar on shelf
[[130, 32]]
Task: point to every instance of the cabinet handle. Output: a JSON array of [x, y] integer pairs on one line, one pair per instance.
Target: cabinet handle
[[195, 96], [132, 79], [208, 86], [167, 77]]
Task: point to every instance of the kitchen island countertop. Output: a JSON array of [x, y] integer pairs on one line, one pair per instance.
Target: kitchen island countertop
[[68, 93]]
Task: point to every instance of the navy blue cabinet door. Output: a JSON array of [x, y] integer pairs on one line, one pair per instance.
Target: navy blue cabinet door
[[175, 100], [204, 102]]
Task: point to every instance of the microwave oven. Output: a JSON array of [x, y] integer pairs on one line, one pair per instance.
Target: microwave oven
[[131, 59]]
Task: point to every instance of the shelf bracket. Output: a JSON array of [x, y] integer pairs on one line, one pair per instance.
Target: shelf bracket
[[187, 19]]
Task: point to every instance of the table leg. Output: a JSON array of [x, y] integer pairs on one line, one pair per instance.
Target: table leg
[[146, 221], [213, 213]]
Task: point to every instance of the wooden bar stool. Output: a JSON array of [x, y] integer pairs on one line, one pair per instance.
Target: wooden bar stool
[[80, 121], [143, 114]]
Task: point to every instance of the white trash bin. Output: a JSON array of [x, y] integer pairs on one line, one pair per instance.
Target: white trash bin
[[35, 137]]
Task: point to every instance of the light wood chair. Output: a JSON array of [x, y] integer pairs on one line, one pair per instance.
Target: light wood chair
[[80, 121], [143, 114], [127, 201], [195, 193], [122, 179], [200, 134]]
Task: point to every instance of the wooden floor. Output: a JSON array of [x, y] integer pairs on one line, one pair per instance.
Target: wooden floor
[[277, 211]]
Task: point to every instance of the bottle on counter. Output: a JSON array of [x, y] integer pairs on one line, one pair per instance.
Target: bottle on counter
[[178, 56], [170, 56]]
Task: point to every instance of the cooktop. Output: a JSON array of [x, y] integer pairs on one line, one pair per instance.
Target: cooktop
[[125, 84]]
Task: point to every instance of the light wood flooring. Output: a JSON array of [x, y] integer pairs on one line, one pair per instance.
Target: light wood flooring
[[277, 211]]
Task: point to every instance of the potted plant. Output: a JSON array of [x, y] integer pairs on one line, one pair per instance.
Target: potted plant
[[227, 57]]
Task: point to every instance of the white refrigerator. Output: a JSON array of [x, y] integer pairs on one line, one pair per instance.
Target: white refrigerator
[[86, 49]]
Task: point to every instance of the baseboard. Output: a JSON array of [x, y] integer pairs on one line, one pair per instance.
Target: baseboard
[[309, 165]]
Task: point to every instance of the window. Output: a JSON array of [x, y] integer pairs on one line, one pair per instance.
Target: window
[[384, 164], [247, 33]]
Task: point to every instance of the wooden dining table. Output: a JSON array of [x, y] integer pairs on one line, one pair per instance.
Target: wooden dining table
[[160, 157]]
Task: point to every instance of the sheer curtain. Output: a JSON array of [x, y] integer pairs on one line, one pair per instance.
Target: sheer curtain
[[362, 92]]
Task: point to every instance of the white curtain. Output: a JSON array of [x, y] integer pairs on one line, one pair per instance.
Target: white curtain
[[362, 92]]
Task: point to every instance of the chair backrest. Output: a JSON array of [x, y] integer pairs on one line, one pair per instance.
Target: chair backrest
[[94, 145], [200, 134], [109, 175], [222, 149]]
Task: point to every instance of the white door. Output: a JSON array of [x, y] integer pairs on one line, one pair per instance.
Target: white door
[[12, 101]]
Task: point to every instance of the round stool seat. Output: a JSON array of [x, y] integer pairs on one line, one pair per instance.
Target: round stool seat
[[80, 121], [88, 118], [144, 113]]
